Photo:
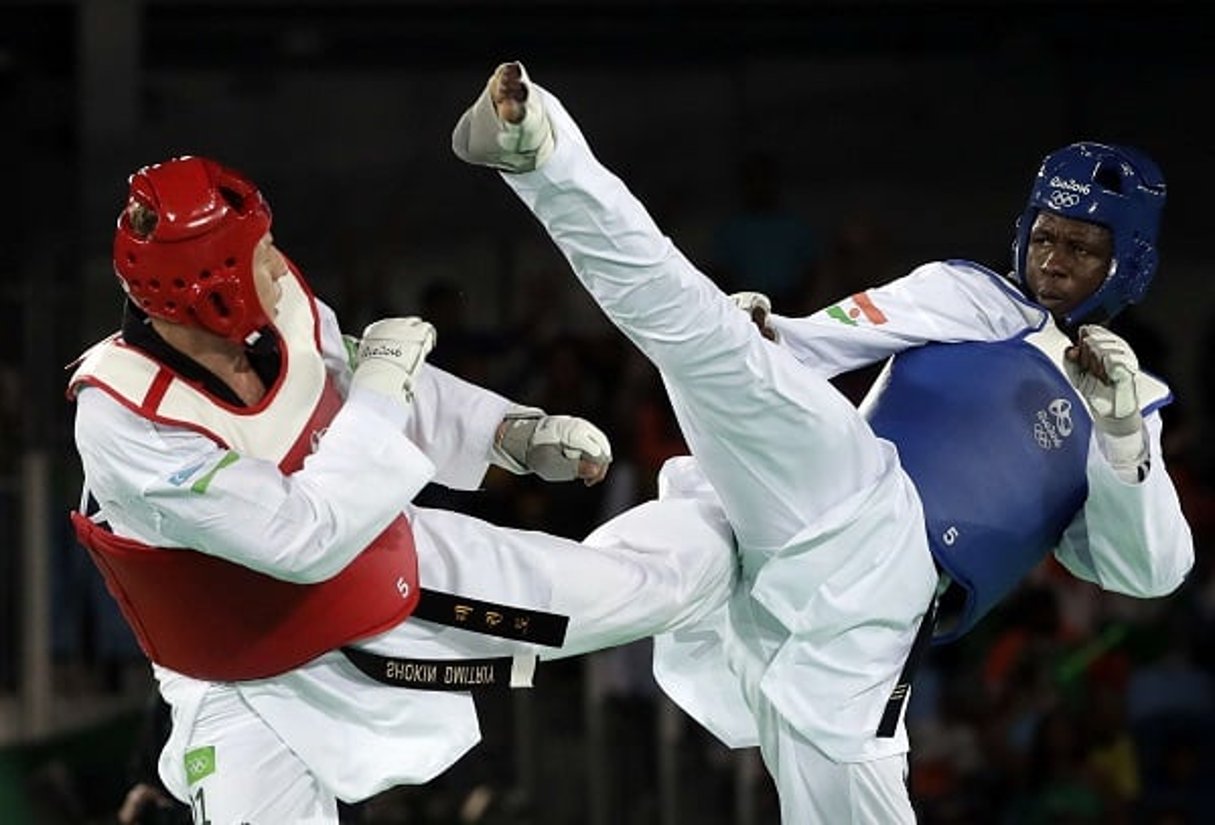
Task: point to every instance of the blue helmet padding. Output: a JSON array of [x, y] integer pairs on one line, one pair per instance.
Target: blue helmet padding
[[1118, 187]]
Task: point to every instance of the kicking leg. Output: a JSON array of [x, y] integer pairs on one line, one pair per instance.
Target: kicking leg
[[778, 443], [649, 570]]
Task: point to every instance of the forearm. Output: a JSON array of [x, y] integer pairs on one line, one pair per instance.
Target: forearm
[[450, 420], [454, 423], [1131, 537], [169, 486], [826, 346], [309, 525], [939, 302]]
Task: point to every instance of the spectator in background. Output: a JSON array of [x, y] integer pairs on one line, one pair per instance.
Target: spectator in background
[[1060, 789], [1112, 761], [764, 245], [466, 352]]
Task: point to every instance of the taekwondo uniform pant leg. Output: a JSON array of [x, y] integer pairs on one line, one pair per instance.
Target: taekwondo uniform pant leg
[[239, 770], [654, 568], [780, 446], [817, 790]]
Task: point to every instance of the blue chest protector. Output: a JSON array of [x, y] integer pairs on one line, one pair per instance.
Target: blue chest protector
[[996, 440]]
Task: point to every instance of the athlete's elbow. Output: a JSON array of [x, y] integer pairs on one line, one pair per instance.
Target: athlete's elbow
[[314, 574], [311, 561], [1177, 565], [1165, 576], [1162, 586], [1175, 576]]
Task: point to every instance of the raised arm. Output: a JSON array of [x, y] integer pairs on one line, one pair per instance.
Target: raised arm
[[1131, 536], [463, 428], [943, 301], [170, 485]]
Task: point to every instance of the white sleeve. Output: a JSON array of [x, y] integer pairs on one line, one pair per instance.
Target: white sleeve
[[943, 301], [1130, 538], [452, 421], [337, 357], [170, 486]]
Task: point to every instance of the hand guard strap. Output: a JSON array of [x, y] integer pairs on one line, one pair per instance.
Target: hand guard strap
[[1114, 403], [1127, 454], [510, 451]]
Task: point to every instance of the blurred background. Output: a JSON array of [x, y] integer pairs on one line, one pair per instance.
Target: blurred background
[[805, 149]]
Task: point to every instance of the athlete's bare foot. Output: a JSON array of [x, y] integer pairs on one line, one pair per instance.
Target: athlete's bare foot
[[509, 91]]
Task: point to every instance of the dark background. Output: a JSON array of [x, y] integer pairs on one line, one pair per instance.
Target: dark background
[[900, 132]]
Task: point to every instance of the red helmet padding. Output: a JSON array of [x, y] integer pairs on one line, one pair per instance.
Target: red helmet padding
[[196, 266]]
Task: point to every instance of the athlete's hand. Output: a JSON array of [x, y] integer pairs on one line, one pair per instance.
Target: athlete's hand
[[390, 354], [759, 308], [1102, 367], [554, 447]]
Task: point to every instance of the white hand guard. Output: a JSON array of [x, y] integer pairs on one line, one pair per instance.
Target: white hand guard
[[484, 138], [758, 308], [390, 353], [551, 446], [1114, 402]]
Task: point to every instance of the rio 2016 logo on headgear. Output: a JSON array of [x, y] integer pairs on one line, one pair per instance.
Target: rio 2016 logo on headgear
[[1070, 185], [1066, 194]]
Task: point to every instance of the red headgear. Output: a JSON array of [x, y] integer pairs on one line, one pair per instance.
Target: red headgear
[[196, 265]]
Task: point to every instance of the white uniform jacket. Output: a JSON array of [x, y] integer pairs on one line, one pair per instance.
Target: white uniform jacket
[[1129, 538], [358, 736]]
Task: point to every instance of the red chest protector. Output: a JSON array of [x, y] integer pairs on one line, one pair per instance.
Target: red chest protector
[[210, 618]]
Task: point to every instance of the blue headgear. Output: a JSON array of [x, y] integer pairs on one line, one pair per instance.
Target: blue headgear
[[1115, 186]]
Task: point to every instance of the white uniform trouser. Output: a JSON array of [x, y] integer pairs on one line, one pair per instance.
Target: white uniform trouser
[[779, 445], [271, 783], [817, 790]]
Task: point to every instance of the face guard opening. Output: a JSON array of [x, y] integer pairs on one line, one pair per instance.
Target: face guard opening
[[1117, 187]]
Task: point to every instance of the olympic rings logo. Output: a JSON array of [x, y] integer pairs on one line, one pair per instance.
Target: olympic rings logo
[[1042, 437], [1063, 200]]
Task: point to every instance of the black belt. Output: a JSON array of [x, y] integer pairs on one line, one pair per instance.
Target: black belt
[[502, 620], [894, 705], [497, 673]]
